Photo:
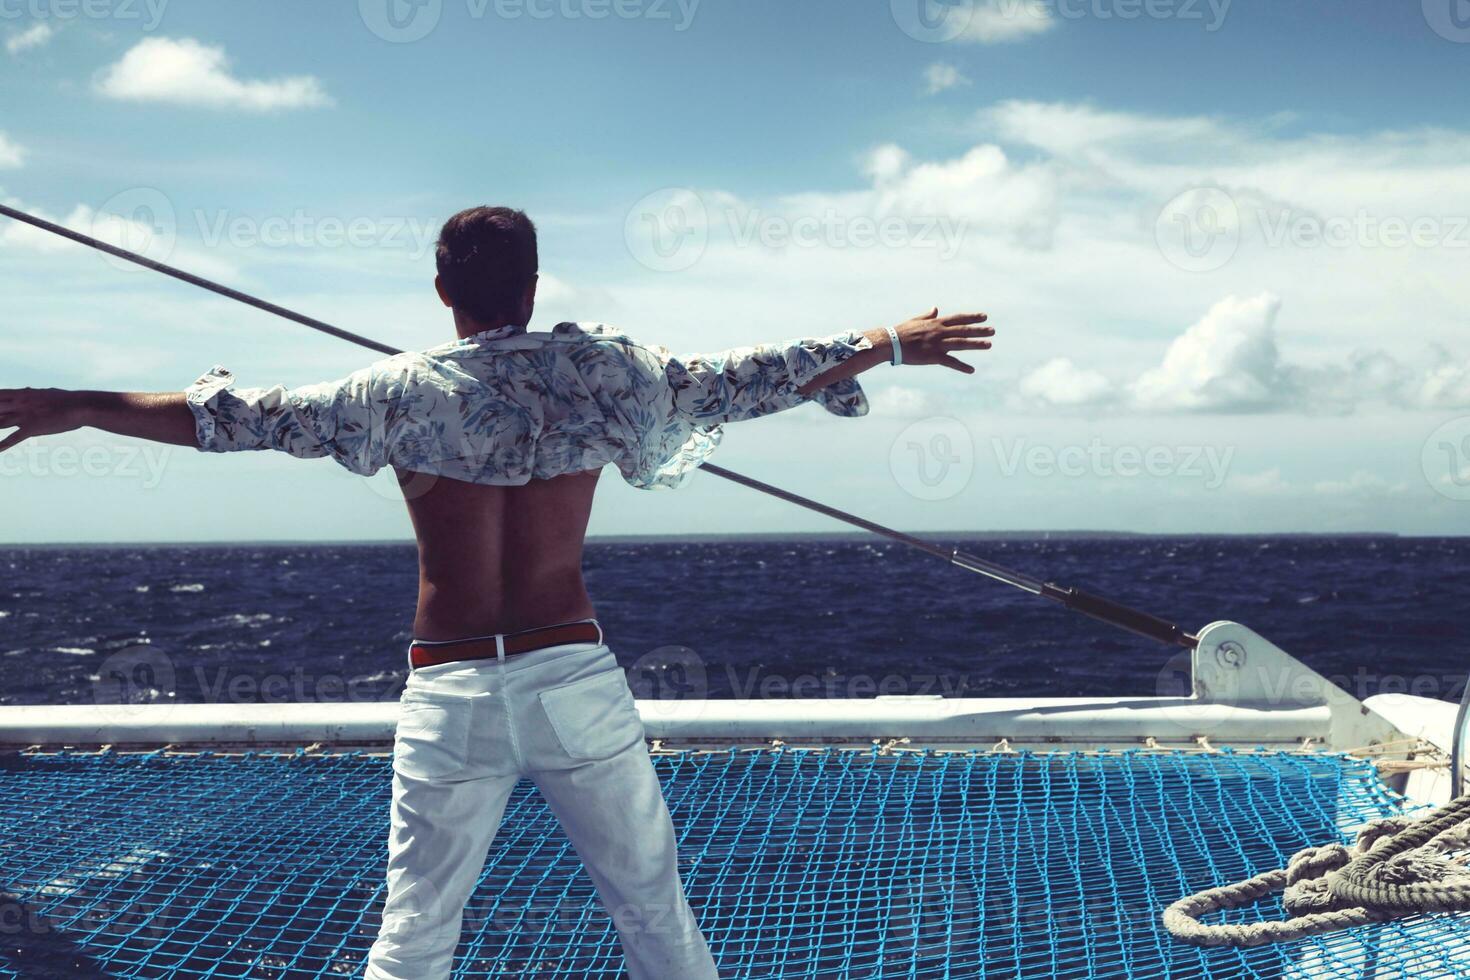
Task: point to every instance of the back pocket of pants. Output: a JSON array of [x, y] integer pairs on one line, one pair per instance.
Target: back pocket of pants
[[432, 740], [594, 718]]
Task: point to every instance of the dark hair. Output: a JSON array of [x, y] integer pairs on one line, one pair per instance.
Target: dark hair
[[487, 258]]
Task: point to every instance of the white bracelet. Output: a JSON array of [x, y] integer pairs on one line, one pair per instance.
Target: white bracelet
[[897, 347]]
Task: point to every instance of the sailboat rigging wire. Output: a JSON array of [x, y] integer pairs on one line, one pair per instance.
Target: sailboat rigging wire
[[1096, 607], [1457, 745], [194, 280]]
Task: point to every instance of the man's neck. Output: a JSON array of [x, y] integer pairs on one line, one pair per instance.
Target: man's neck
[[466, 327]]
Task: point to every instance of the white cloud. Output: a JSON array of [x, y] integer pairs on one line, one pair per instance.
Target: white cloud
[[1455, 481], [12, 154], [1267, 483], [941, 77], [1348, 337], [32, 37], [1060, 382], [557, 300], [1000, 21], [1230, 362], [15, 234], [1360, 483], [904, 401], [1069, 130], [1266, 164], [1445, 385], [885, 163], [982, 191], [1271, 483], [187, 72], [1081, 190], [1226, 362], [155, 242], [931, 209], [1364, 376], [1081, 195]]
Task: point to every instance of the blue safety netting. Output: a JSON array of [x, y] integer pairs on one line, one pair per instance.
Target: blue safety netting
[[800, 863]]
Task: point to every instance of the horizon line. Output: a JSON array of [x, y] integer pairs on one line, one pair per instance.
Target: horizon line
[[1070, 534]]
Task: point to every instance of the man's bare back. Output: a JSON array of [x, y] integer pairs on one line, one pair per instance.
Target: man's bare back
[[498, 559]]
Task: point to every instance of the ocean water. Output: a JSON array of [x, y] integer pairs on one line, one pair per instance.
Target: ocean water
[[804, 617]]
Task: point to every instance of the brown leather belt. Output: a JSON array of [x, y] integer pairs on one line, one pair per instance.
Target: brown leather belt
[[431, 654]]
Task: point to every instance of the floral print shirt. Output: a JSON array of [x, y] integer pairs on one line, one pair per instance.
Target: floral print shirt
[[509, 406]]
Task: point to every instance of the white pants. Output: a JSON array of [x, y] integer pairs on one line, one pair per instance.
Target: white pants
[[467, 732]]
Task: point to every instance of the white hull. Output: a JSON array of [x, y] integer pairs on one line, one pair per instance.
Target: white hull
[[1248, 693]]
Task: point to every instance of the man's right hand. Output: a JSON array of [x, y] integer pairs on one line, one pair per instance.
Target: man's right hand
[[934, 339], [35, 412], [926, 339], [51, 411]]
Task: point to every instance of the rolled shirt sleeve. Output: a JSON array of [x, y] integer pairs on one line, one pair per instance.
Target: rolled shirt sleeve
[[749, 382], [504, 411], [674, 407], [346, 420]]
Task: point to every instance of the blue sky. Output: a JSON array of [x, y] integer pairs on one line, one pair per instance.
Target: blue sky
[[1224, 244]]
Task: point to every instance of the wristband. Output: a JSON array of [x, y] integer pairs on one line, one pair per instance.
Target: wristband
[[897, 347]]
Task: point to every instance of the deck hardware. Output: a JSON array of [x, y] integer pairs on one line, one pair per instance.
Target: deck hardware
[[1230, 654]]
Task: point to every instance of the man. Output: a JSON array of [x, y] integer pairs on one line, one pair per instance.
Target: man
[[497, 440]]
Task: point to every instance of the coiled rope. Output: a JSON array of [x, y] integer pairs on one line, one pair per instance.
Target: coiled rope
[[1398, 867]]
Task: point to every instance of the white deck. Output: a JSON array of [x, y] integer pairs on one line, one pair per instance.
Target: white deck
[[1247, 693], [1061, 724]]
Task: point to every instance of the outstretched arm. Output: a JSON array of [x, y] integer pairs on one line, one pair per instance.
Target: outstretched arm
[[346, 420], [926, 339], [49, 411], [751, 382]]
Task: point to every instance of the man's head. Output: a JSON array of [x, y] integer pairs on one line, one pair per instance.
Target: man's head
[[487, 268]]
